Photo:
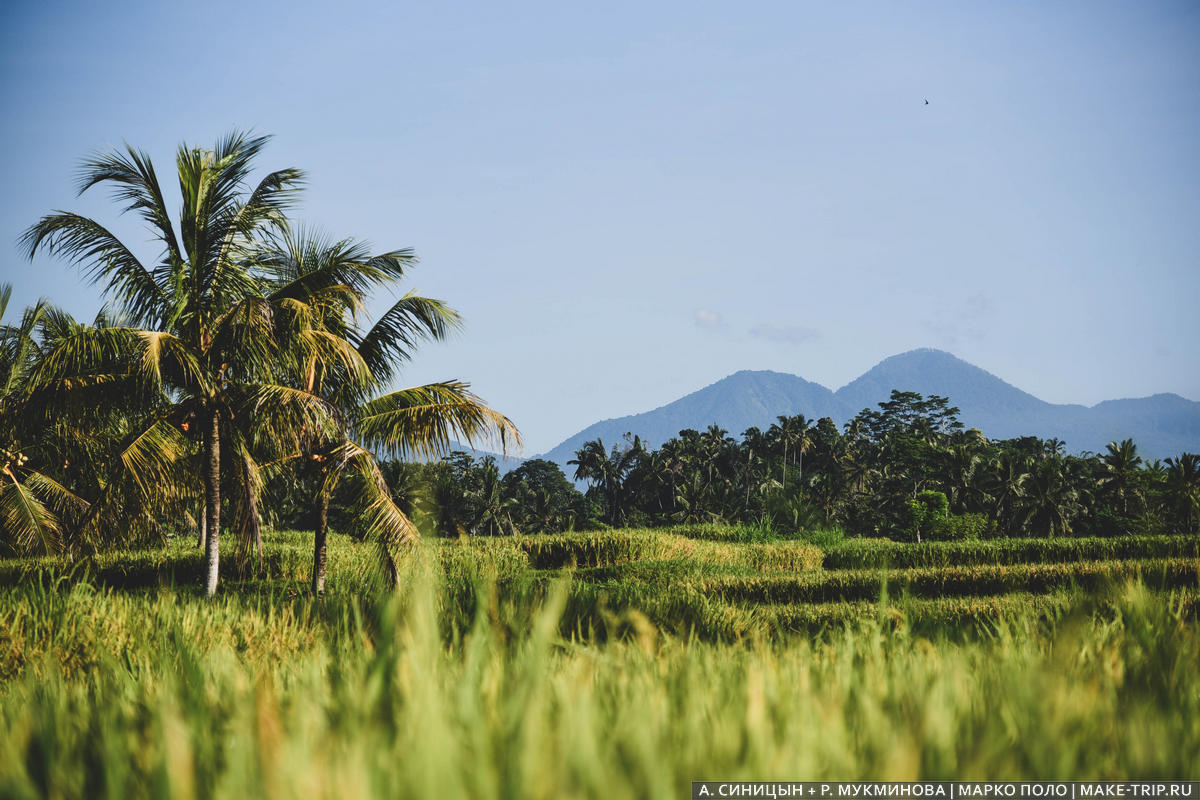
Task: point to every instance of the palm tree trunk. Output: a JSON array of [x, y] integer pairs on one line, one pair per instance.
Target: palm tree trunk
[[254, 520], [212, 552], [318, 577], [783, 471], [202, 528], [393, 574], [749, 476]]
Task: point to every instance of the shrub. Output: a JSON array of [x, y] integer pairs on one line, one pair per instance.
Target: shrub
[[925, 513], [962, 528]]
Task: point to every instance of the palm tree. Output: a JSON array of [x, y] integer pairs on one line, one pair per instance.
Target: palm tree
[[755, 444], [491, 510], [32, 502], [959, 465], [201, 332], [1050, 500], [1121, 463], [795, 432], [332, 279], [607, 471], [1183, 488], [1005, 484]]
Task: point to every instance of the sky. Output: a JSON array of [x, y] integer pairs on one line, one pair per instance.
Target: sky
[[630, 201]]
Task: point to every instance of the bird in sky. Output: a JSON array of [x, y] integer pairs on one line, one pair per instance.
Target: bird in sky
[[926, 102]]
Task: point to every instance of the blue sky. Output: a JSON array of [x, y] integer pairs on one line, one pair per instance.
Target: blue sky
[[631, 201]]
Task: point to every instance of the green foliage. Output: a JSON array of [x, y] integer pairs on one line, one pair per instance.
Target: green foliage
[[963, 527], [927, 512]]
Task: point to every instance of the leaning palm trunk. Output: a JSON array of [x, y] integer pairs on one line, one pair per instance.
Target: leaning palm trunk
[[212, 552], [319, 537]]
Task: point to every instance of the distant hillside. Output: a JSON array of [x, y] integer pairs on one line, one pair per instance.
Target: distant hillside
[[740, 401], [1163, 425]]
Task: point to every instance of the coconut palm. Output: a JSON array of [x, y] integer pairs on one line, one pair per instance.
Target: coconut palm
[[1050, 499], [200, 332], [1183, 488], [959, 465], [32, 501], [1121, 462], [330, 280], [1005, 484], [608, 471], [796, 433]]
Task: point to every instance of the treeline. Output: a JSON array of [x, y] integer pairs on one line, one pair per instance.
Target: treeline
[[460, 494], [906, 470]]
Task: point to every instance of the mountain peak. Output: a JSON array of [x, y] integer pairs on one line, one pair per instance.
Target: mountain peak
[[1162, 425], [931, 371], [921, 357]]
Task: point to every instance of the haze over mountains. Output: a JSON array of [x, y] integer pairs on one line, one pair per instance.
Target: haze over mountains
[[1162, 425]]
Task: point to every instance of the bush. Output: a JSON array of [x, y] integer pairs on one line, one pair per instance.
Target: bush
[[789, 514], [924, 514], [962, 528]]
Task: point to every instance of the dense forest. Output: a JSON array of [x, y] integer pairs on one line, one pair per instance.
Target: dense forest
[[907, 470]]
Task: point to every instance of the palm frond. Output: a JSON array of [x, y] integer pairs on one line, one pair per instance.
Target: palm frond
[[233, 234], [59, 497], [302, 262], [244, 337], [87, 352], [422, 421], [17, 344], [137, 186], [25, 520], [376, 515], [101, 256], [151, 457], [289, 419], [392, 340], [161, 350]]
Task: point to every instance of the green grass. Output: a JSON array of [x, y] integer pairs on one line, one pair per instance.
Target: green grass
[[487, 676], [854, 553], [867, 584], [611, 548]]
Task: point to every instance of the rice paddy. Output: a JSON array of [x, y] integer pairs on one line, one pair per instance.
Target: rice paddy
[[614, 664]]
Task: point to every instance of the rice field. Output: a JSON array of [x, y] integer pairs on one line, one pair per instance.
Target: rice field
[[615, 664]]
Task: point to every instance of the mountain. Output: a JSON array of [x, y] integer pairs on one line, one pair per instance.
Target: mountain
[[742, 400], [1163, 425]]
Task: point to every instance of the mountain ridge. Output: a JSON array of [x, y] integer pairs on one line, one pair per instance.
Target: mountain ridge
[[1162, 425]]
